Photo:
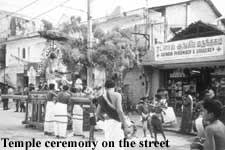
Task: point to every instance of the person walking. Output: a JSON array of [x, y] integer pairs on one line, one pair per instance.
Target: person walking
[[110, 104], [61, 112], [49, 111]]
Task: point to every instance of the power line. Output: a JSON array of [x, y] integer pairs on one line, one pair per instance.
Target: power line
[[36, 17], [28, 5], [75, 9], [50, 9]]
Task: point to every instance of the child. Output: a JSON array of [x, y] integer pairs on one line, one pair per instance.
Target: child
[[157, 118], [144, 110], [157, 123]]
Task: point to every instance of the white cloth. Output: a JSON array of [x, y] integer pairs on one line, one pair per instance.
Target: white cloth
[[79, 84], [199, 126], [30, 109], [113, 132], [61, 119], [10, 92], [49, 117], [169, 115], [77, 120]]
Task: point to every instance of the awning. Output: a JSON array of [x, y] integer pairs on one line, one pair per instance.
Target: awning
[[192, 63]]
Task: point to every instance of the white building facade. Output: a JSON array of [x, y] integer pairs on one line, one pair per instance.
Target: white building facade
[[20, 52]]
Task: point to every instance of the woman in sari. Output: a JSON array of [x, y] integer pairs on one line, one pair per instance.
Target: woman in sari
[[186, 122]]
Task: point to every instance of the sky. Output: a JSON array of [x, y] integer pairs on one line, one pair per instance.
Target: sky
[[57, 11]]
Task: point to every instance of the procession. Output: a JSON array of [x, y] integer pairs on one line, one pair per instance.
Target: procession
[[92, 74]]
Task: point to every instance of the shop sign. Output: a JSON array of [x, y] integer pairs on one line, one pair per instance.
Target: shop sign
[[191, 48]]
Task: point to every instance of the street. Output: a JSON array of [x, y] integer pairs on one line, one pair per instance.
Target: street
[[11, 127]]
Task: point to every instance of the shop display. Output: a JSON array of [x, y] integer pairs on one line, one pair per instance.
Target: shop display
[[179, 83]]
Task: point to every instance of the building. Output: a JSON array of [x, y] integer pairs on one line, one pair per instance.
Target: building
[[17, 34], [164, 18], [160, 22], [21, 52], [192, 61], [182, 13], [187, 12]]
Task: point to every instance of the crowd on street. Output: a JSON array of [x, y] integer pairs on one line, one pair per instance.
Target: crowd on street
[[106, 106]]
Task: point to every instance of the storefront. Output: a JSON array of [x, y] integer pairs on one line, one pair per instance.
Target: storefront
[[192, 64], [195, 80]]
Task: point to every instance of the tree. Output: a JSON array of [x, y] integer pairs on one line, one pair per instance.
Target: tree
[[116, 51]]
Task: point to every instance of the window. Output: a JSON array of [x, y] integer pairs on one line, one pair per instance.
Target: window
[[18, 52], [24, 53]]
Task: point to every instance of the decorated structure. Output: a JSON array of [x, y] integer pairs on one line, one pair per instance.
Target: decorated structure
[[55, 70]]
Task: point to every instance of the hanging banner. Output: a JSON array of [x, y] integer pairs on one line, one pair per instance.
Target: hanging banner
[[191, 48]]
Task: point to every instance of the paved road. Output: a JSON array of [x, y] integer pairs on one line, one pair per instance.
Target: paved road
[[11, 127]]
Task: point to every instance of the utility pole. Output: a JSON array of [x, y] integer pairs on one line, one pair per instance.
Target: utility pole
[[89, 34], [147, 25], [4, 63], [89, 44], [4, 73]]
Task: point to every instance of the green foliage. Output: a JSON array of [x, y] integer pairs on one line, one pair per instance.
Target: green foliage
[[115, 50]]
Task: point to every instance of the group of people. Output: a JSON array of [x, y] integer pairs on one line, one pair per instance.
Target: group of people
[[58, 109], [155, 112], [106, 105]]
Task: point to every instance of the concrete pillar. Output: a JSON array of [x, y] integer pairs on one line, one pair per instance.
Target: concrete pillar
[[155, 81]]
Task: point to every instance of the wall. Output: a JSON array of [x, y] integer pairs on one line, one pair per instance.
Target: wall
[[200, 10], [135, 85], [33, 50], [196, 10], [175, 15], [14, 56]]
